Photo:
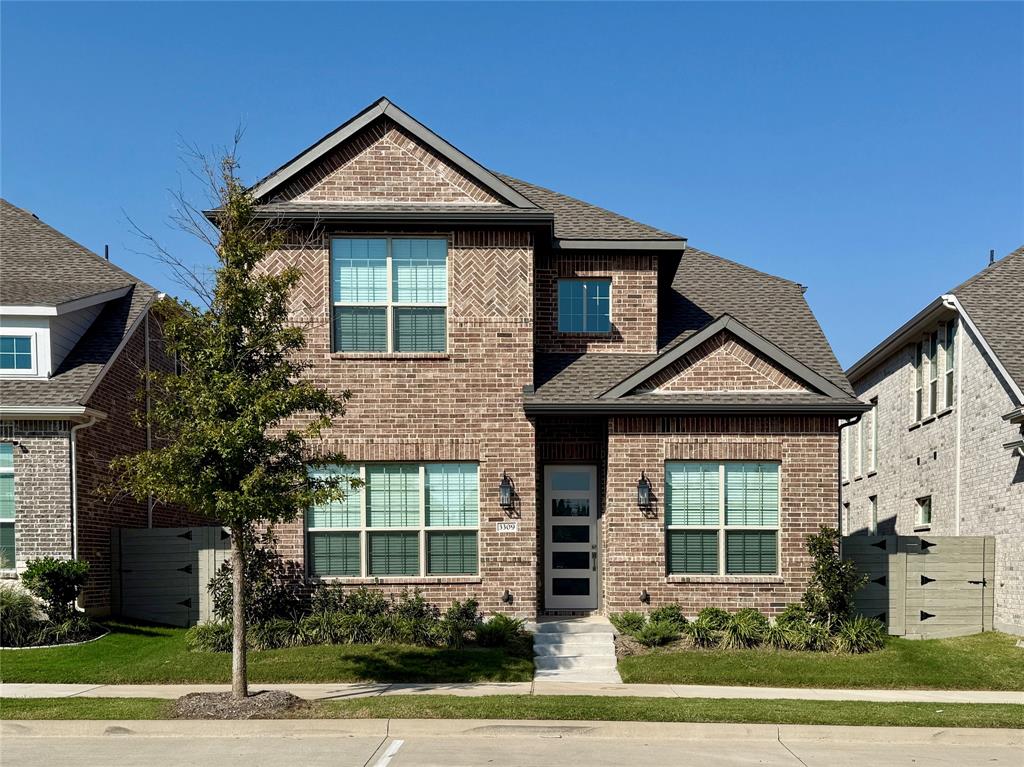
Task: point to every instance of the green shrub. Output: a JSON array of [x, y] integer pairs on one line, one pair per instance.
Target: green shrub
[[327, 598], [20, 617], [859, 635], [414, 607], [73, 628], [57, 582], [214, 636], [270, 585], [715, 617], [702, 632], [459, 620], [833, 583], [811, 636], [744, 629], [671, 614], [778, 636], [274, 634], [657, 633], [367, 602], [327, 627], [499, 631], [628, 623], [792, 616]]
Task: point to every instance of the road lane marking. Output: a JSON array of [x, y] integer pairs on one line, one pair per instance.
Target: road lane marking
[[388, 755]]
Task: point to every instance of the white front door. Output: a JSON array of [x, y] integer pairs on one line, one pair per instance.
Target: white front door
[[570, 537]]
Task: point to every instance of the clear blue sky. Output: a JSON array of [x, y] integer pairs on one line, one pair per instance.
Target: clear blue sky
[[874, 152]]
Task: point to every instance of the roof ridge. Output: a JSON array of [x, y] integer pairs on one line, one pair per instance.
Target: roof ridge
[[990, 269], [106, 263]]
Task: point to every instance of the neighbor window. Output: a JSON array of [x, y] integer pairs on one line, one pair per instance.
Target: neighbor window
[[872, 415], [6, 506], [16, 353], [924, 511], [950, 348], [918, 382], [845, 457], [406, 520], [722, 518], [873, 514], [933, 372], [389, 294], [584, 306]]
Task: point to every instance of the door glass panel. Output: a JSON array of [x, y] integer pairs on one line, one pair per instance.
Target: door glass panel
[[571, 480], [570, 587], [570, 560], [570, 507], [570, 533]]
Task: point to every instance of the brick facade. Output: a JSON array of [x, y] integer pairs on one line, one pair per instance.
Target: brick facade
[[921, 459]]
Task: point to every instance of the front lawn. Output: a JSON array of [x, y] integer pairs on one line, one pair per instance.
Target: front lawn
[[575, 707], [989, 661], [134, 654]]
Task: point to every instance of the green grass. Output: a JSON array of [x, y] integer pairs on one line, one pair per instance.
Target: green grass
[[576, 707], [133, 654], [988, 661]]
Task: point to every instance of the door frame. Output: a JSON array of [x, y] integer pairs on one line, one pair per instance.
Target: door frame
[[592, 601]]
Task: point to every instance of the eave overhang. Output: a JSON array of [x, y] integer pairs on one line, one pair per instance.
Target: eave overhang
[[619, 407]]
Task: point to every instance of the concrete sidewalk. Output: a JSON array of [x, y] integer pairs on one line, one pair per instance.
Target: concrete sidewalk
[[364, 690]]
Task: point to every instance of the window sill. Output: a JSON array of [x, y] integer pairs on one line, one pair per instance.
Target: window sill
[[9, 575], [872, 473], [585, 334], [726, 579], [922, 528], [846, 482], [399, 580], [944, 412], [389, 356]]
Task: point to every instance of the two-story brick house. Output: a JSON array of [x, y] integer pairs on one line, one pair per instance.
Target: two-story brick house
[[75, 334], [941, 451], [553, 407]]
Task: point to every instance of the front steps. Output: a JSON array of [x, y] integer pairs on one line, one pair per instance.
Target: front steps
[[575, 650]]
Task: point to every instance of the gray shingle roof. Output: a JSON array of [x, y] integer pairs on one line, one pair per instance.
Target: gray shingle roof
[[578, 220], [30, 247], [994, 299], [39, 266]]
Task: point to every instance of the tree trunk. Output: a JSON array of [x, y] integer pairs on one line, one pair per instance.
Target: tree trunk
[[239, 672]]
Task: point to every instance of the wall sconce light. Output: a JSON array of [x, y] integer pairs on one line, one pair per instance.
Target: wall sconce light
[[645, 598], [506, 491], [643, 492], [506, 597]]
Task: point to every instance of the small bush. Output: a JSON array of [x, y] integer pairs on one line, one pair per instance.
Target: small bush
[[327, 598], [778, 636], [499, 631], [715, 617], [834, 581], [214, 636], [73, 628], [367, 602], [671, 614], [20, 617], [323, 627], [811, 636], [657, 633], [628, 623], [458, 621], [744, 629], [701, 632], [274, 634], [57, 582], [792, 616], [269, 586], [859, 635], [414, 607]]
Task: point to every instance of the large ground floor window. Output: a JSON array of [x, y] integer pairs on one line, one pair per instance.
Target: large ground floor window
[[6, 506], [407, 519], [722, 518]]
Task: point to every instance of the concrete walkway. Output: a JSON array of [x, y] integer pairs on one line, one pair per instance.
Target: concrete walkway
[[364, 690]]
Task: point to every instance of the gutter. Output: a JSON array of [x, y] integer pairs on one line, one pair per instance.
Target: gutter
[[949, 303], [617, 407], [58, 412]]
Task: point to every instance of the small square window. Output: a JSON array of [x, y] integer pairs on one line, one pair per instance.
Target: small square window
[[924, 511], [584, 306], [16, 353]]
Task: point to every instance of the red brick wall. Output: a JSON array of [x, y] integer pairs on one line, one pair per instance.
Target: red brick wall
[[462, 405], [723, 363], [634, 545], [634, 300]]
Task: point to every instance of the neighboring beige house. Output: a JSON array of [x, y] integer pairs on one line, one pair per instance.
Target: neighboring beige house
[[942, 451]]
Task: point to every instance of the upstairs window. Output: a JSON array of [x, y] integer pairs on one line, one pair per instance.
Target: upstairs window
[[950, 349], [389, 294], [6, 506], [873, 450], [584, 306], [933, 372], [16, 353], [918, 382]]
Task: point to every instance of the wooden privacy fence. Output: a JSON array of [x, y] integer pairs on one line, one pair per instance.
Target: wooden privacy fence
[[923, 587], [160, 575]]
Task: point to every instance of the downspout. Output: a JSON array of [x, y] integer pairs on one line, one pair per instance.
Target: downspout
[[74, 482], [951, 303], [149, 427], [839, 478]]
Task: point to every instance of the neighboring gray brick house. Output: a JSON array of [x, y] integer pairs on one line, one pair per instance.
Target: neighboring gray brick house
[[522, 366], [75, 333], [942, 450]]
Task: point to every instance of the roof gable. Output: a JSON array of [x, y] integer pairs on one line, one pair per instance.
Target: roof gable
[[764, 348], [442, 154]]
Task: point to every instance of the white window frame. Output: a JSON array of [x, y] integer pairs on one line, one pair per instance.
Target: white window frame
[[422, 529], [33, 345], [858, 453], [918, 381], [949, 328], [873, 433], [845, 458], [933, 372], [722, 529], [873, 514], [584, 281], [389, 304], [920, 503]]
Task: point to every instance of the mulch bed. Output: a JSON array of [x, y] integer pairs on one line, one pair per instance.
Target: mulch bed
[[268, 704]]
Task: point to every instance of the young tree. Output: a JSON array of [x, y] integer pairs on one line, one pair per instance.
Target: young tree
[[233, 425]]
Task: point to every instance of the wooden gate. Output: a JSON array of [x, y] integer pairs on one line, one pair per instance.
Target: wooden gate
[[928, 586], [160, 575]]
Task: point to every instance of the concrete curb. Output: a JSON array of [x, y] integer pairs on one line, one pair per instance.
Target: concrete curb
[[435, 728]]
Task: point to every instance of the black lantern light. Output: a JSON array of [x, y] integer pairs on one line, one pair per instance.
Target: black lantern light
[[643, 492], [505, 491]]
